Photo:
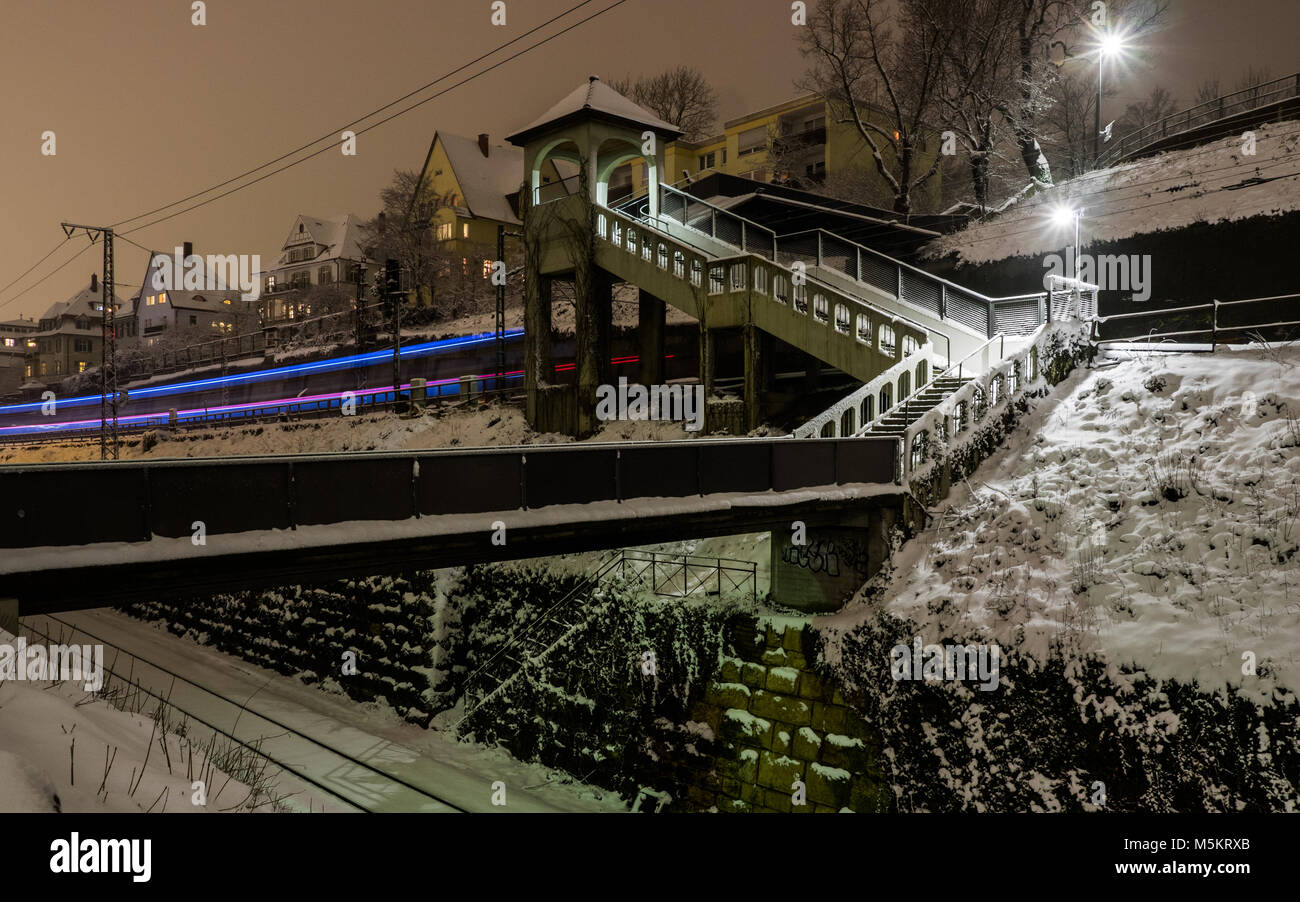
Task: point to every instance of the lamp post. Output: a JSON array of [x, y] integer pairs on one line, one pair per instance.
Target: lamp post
[[1111, 44]]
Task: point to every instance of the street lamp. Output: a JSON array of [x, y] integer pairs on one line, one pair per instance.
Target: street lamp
[[1110, 44], [1062, 215]]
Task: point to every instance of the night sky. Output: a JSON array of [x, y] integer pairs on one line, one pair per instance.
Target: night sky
[[148, 108]]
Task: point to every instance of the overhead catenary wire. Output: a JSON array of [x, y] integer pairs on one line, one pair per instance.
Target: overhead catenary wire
[[331, 135]]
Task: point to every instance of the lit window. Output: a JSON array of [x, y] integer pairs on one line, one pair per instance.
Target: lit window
[[148, 302], [487, 269], [226, 301], [81, 366], [162, 297], [464, 230], [444, 232], [9, 342]]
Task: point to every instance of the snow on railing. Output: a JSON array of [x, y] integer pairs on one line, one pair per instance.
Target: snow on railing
[[854, 318], [980, 400], [862, 402]]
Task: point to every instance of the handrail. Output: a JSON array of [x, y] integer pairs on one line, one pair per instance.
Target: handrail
[[819, 231], [918, 270], [745, 255], [1146, 135], [812, 427], [1158, 311], [906, 403]]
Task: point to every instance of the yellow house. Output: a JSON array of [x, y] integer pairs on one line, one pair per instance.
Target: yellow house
[[798, 142], [469, 187]]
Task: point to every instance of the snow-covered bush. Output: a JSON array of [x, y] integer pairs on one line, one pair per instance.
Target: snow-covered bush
[[1058, 730]]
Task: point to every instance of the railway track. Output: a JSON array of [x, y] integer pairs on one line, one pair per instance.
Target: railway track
[[357, 783]]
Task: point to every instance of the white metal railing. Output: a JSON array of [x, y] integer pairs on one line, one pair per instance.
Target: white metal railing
[[746, 272], [979, 400], [902, 281], [834, 415]]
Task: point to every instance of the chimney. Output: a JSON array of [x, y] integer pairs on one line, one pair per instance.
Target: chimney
[[189, 249], [94, 282], [482, 144]]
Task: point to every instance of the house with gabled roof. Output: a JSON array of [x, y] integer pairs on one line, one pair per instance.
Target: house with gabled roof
[[317, 251], [70, 334], [211, 312], [469, 187]]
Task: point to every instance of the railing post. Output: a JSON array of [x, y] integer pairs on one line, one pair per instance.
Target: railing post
[[858, 254], [819, 247], [713, 223], [742, 234], [1214, 326]]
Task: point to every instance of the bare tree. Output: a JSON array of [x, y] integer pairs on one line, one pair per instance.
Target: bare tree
[[1041, 27], [1159, 104], [977, 79], [885, 84], [682, 96], [1207, 91]]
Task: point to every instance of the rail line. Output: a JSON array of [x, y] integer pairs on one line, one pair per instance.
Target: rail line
[[342, 794]]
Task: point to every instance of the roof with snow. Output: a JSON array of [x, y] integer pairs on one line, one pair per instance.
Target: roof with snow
[[84, 303], [1213, 182], [486, 182], [596, 100], [336, 236], [202, 299]]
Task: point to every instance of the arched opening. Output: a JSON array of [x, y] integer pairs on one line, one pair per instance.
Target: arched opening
[[555, 171], [625, 176], [886, 340], [886, 397], [866, 409], [904, 385], [919, 442], [828, 429], [846, 422], [977, 403], [922, 373]]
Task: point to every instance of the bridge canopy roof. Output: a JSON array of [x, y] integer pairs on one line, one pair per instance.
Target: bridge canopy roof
[[596, 100]]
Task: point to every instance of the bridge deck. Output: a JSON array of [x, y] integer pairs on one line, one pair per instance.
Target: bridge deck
[[301, 519]]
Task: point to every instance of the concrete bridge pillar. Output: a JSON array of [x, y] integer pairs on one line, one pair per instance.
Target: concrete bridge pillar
[[836, 559], [757, 351], [538, 368], [593, 327], [651, 324]]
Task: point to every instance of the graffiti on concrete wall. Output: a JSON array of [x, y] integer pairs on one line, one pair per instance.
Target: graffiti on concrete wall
[[833, 557]]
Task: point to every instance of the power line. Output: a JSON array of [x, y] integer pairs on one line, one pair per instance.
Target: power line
[[383, 121], [330, 136], [34, 265], [46, 276]]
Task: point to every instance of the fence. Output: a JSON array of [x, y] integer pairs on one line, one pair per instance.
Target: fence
[[1017, 314], [1228, 105], [1215, 323]]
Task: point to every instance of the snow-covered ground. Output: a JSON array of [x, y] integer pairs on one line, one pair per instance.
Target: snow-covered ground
[[32, 725], [1215, 182], [1148, 511], [61, 749], [468, 425]]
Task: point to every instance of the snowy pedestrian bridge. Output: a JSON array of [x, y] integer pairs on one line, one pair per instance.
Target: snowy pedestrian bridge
[[173, 527]]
